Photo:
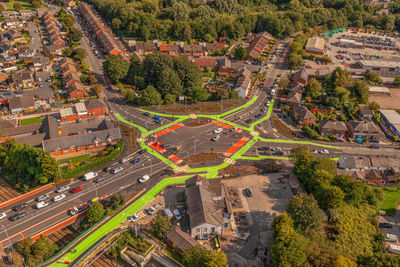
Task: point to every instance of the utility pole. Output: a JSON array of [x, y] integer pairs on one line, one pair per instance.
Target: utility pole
[[151, 167], [5, 229]]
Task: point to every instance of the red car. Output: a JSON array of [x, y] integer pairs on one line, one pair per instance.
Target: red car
[[76, 189]]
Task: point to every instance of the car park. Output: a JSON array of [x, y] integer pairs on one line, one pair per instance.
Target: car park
[[219, 130], [42, 197], [58, 198], [215, 138], [20, 207], [76, 189], [3, 215], [41, 204], [62, 189], [17, 216], [247, 192], [144, 178]]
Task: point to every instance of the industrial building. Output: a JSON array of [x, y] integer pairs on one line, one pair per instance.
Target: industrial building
[[382, 67], [379, 90], [315, 45], [392, 120]]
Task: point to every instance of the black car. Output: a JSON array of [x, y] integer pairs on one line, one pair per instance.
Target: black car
[[99, 179], [266, 153], [278, 153], [142, 151], [263, 148], [17, 216], [248, 121], [248, 193], [374, 146], [20, 207], [385, 225]]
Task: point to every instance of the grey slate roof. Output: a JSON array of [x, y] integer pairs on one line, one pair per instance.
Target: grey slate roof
[[95, 103], [81, 139], [21, 102], [181, 239]]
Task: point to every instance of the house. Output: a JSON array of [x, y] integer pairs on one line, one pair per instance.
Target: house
[[205, 62], [258, 43], [300, 76], [243, 83], [83, 110], [53, 50], [294, 99], [360, 129], [3, 77], [76, 90], [40, 63], [205, 200], [15, 37], [179, 240], [60, 145], [174, 50], [304, 116], [27, 14], [315, 45], [25, 53], [163, 49], [225, 66], [22, 80], [21, 104], [71, 78], [335, 128], [13, 23], [9, 14], [366, 114]]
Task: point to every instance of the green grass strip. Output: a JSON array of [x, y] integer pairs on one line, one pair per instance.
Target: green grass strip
[[31, 121], [298, 142], [120, 218], [141, 129], [266, 117], [238, 108]]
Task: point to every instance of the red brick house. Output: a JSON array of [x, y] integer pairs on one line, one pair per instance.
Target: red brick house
[[76, 90], [88, 109], [304, 116], [335, 128]]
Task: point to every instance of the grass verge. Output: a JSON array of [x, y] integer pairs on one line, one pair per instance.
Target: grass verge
[[31, 120], [391, 198]]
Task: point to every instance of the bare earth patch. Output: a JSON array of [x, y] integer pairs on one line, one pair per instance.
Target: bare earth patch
[[197, 123], [202, 157], [387, 102], [281, 127]]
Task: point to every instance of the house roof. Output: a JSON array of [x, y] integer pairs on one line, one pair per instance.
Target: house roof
[[94, 103], [315, 43], [301, 74], [304, 113], [20, 130], [180, 239], [23, 102], [333, 125], [363, 126], [205, 62], [6, 124], [83, 139], [294, 97], [68, 111], [164, 48]]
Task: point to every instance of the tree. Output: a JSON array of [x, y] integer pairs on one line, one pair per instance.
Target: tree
[[377, 117], [36, 4], [116, 24], [360, 89], [161, 226], [283, 82], [198, 94], [68, 21], [79, 54], [198, 256], [92, 79], [169, 99], [340, 78], [75, 35], [374, 106], [240, 53], [94, 214], [98, 89], [397, 81], [373, 77], [217, 258], [342, 94], [117, 201], [295, 60], [303, 160], [150, 96], [115, 68], [67, 52], [2, 7], [305, 212], [313, 88], [17, 6]]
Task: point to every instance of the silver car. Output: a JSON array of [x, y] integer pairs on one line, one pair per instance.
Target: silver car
[[42, 197], [62, 189]]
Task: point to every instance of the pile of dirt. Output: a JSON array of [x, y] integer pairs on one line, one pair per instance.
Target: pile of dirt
[[256, 168], [282, 127], [202, 157], [196, 123]]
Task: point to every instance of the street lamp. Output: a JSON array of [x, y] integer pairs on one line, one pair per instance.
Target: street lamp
[[5, 229], [151, 167], [194, 146]]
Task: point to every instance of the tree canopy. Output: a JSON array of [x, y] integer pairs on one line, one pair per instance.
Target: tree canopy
[[240, 53], [115, 68], [198, 256], [161, 226]]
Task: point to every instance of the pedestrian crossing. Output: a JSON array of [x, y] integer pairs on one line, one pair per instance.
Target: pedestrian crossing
[[230, 161]]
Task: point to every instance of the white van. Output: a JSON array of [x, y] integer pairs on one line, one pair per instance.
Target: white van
[[177, 214], [90, 175], [390, 238], [394, 248], [168, 213]]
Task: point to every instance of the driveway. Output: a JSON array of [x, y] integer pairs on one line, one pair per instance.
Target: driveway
[[46, 90]]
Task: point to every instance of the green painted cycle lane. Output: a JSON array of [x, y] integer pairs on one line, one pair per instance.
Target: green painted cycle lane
[[266, 117], [119, 218]]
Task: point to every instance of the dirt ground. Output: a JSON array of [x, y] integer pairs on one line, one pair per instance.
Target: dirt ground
[[130, 136], [205, 107], [7, 192], [281, 127], [265, 166], [388, 102], [202, 157], [197, 123]]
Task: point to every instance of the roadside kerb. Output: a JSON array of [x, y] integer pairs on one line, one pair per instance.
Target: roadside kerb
[[120, 218], [29, 194], [298, 142]]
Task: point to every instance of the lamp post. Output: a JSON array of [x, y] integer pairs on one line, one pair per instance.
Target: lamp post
[[151, 167], [5, 229]]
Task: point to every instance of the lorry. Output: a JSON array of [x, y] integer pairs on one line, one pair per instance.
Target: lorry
[[137, 216], [76, 210], [90, 175]]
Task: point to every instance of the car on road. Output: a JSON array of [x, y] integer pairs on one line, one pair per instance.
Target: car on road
[[42, 204], [219, 130], [136, 160], [144, 178], [117, 170], [374, 146], [215, 138], [58, 198], [385, 225], [123, 160], [276, 149], [248, 121], [141, 152], [17, 216], [258, 115], [20, 207], [3, 215], [264, 110], [62, 189], [76, 189], [99, 179], [315, 151], [247, 192], [326, 152], [263, 148], [234, 129], [76, 210], [42, 197], [278, 153]]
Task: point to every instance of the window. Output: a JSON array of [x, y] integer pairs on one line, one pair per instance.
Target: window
[[205, 229], [79, 148], [198, 230]]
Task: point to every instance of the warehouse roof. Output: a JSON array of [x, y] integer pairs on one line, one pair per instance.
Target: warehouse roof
[[390, 115], [315, 43], [379, 63]]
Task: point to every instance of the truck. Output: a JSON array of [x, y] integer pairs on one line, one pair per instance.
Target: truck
[[90, 175], [137, 216]]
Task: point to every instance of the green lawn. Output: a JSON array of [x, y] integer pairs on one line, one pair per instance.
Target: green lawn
[[25, 4], [32, 120], [80, 158], [390, 200]]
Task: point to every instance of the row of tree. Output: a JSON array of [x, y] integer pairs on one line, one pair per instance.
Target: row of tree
[[333, 225], [180, 20], [160, 79]]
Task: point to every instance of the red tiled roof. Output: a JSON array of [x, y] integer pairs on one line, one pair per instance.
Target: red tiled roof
[[203, 62], [164, 48]]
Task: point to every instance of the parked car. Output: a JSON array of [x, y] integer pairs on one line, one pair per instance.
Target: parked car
[[42, 197], [219, 130], [20, 207], [390, 238], [76, 189], [62, 189], [177, 214], [385, 225], [17, 216], [3, 215], [247, 192], [215, 138], [58, 198]]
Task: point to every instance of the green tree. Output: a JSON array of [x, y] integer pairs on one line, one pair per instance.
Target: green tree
[[313, 88], [98, 89], [117, 201], [150, 96], [169, 83], [283, 82], [17, 6], [44, 248], [198, 256], [360, 89], [116, 24], [341, 78], [377, 117], [396, 81], [374, 106], [67, 52], [198, 94], [169, 99], [305, 212], [161, 226], [373, 77], [68, 21], [75, 35], [94, 214], [240, 53], [303, 160], [295, 60], [217, 258], [325, 164], [342, 94], [115, 68], [79, 54]]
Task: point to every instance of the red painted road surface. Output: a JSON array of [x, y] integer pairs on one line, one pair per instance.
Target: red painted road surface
[[236, 146], [226, 126], [175, 159], [170, 129], [156, 146]]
